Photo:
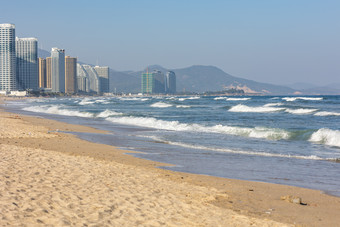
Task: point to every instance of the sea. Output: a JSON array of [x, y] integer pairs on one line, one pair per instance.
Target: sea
[[286, 140]]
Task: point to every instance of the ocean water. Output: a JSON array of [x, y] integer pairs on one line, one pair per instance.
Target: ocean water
[[284, 140]]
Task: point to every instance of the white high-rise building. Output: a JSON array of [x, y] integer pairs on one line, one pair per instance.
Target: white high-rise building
[[103, 73], [58, 70], [27, 63], [7, 58], [170, 85], [88, 79]]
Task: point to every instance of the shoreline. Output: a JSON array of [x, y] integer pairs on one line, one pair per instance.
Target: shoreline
[[256, 201]]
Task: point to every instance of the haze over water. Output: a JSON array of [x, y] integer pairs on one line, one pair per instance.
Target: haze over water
[[285, 140]]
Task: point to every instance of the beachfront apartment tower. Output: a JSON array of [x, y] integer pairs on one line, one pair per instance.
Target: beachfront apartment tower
[[103, 73], [58, 70], [70, 75], [27, 63], [48, 72], [170, 82], [42, 72], [153, 83], [87, 79], [7, 58]]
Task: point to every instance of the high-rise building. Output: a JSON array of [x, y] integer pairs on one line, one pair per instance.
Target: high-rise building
[[70, 75], [170, 80], [42, 72], [103, 73], [153, 83], [27, 63], [88, 79], [7, 58], [58, 70], [48, 72]]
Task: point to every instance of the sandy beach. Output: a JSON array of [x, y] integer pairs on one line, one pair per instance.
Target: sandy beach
[[51, 178]]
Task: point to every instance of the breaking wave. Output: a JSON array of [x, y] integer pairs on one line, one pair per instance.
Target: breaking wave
[[326, 113], [292, 99], [160, 105], [301, 111], [224, 150], [260, 109], [238, 99], [326, 136], [108, 113], [189, 98], [57, 110], [183, 106], [257, 132], [220, 98], [86, 101]]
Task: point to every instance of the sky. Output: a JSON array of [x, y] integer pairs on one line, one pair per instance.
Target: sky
[[274, 41]]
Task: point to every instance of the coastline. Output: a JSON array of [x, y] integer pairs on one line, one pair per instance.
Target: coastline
[[210, 200]]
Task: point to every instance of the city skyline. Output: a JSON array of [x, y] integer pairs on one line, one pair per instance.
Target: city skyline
[[279, 42]]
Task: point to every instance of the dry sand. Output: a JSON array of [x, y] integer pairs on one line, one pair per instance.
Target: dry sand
[[56, 179]]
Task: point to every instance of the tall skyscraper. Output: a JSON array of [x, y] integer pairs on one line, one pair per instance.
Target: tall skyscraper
[[48, 72], [27, 63], [153, 83], [70, 75], [7, 58], [58, 70], [42, 72], [88, 79], [170, 81], [103, 73]]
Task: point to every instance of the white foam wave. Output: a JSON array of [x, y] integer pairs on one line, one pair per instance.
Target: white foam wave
[[144, 99], [259, 109], [57, 110], [86, 101], [274, 104], [160, 105], [291, 99], [183, 106], [326, 113], [326, 136], [189, 98], [224, 150], [108, 113], [301, 111], [220, 98], [238, 99], [102, 101], [257, 132]]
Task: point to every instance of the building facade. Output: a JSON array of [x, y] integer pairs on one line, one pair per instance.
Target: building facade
[[8, 76], [153, 83], [49, 72], [70, 75], [27, 63], [58, 70], [170, 82], [88, 79], [42, 72], [103, 73]]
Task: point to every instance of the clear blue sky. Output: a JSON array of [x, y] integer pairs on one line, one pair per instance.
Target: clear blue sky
[[276, 41]]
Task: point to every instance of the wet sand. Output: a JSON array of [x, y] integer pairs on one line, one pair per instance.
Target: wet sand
[[51, 178]]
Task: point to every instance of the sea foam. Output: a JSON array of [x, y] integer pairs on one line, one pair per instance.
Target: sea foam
[[108, 113], [292, 99], [160, 105], [257, 132], [57, 110], [326, 136], [259, 109], [237, 99], [327, 113], [301, 111]]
